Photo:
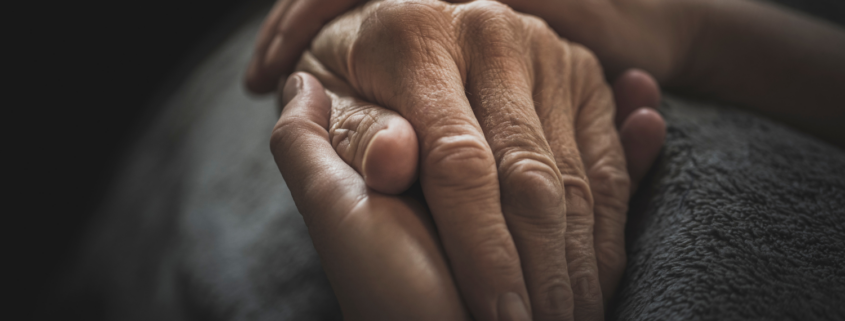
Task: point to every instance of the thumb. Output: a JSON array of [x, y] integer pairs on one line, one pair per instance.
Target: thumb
[[379, 143]]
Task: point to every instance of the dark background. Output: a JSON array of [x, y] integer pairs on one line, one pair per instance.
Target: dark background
[[85, 77]]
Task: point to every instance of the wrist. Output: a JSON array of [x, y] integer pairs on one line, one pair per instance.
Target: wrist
[[686, 24]]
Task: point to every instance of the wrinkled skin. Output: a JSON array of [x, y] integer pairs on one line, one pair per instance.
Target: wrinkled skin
[[652, 35], [425, 64], [380, 252], [519, 158]]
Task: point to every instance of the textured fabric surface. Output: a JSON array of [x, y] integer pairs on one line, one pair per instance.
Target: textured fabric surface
[[741, 218], [199, 224]]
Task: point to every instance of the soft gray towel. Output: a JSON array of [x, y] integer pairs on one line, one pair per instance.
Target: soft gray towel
[[742, 219]]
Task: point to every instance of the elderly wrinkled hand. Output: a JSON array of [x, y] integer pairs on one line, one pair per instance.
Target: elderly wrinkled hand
[[624, 35], [519, 158]]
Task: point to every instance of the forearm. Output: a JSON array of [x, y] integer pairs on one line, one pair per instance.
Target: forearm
[[781, 63]]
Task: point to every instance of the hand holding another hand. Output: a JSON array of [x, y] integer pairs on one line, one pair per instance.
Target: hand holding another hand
[[520, 163], [512, 128]]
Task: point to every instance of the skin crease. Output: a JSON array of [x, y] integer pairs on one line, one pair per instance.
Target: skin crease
[[615, 32], [785, 65], [536, 175], [653, 35], [380, 252]]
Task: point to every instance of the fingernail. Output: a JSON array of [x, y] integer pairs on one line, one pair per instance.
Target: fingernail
[[511, 308], [292, 88], [271, 57]]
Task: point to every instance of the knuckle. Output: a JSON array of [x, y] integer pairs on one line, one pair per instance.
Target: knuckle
[[415, 31], [532, 184], [488, 23], [406, 18], [609, 175], [610, 185], [480, 12], [497, 253], [556, 302], [585, 286], [579, 199], [461, 160]]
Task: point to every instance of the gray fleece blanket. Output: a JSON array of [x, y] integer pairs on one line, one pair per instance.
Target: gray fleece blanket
[[741, 218]]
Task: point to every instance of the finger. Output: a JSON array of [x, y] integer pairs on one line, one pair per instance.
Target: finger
[[380, 144], [294, 33], [562, 104], [458, 171], [422, 82], [500, 83], [253, 80], [642, 135], [641, 130], [299, 143], [634, 89], [377, 142], [380, 253], [604, 162]]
